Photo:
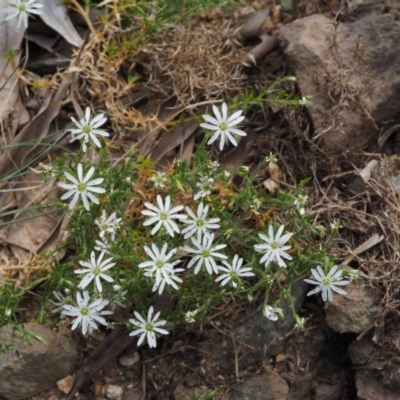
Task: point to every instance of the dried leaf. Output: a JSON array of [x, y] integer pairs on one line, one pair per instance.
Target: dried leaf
[[13, 158], [173, 138], [10, 39], [235, 158], [367, 171], [39, 224], [54, 14], [275, 172]]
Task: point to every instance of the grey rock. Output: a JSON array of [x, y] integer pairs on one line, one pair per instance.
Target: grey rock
[[256, 337], [352, 72], [371, 385], [28, 368], [361, 351], [353, 312], [133, 394], [269, 386]]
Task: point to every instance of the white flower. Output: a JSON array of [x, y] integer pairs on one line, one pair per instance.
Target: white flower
[[213, 165], [87, 129], [190, 316], [305, 101], [255, 204], [274, 248], [148, 329], [233, 271], [198, 224], [271, 312], [109, 224], [95, 270], [320, 229], [87, 314], [223, 125], [327, 282], [299, 322], [117, 298], [205, 253], [103, 246], [62, 301], [271, 158], [300, 202], [160, 180], [160, 268], [163, 215], [81, 187], [22, 9], [205, 186], [335, 225]]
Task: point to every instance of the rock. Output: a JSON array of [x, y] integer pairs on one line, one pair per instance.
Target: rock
[[352, 73], [370, 387], [113, 392], [269, 386], [28, 368], [256, 336], [325, 391], [361, 351], [353, 312], [127, 360], [64, 385], [133, 394]]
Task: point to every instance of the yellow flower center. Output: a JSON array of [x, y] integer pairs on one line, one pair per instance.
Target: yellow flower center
[[81, 187], [87, 129], [84, 311], [223, 126]]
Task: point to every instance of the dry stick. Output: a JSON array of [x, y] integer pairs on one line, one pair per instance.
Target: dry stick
[[111, 347], [268, 45]]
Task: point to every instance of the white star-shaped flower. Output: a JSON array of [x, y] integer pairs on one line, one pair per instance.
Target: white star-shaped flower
[[233, 272], [87, 315], [163, 215], [117, 298], [103, 245], [223, 126], [274, 248], [327, 282], [199, 224], [160, 268], [272, 312], [81, 187], [205, 253], [205, 186], [108, 224], [95, 270], [190, 316], [148, 328], [160, 180], [87, 129], [62, 301], [21, 9]]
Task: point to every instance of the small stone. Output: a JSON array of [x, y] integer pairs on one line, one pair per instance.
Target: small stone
[[114, 392], [129, 359], [133, 394], [269, 386], [280, 358], [64, 385], [354, 312]]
